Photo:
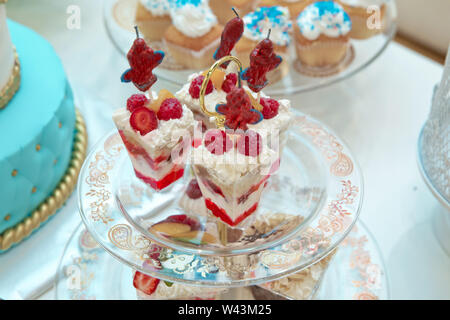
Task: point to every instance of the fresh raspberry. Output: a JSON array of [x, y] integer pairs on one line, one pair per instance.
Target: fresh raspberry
[[249, 144], [145, 283], [217, 142], [184, 219], [229, 82], [238, 110], [143, 120], [170, 109], [193, 190], [154, 252], [196, 85], [270, 107], [136, 101]]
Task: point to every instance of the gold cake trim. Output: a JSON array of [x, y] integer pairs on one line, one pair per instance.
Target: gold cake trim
[[13, 84], [59, 195]]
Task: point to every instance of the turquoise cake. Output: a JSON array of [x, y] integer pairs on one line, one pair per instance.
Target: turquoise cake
[[37, 129]]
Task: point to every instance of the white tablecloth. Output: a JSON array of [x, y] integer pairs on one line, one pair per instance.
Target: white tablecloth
[[378, 112]]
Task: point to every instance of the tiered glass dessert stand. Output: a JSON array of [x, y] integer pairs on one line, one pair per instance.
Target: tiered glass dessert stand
[[307, 213]]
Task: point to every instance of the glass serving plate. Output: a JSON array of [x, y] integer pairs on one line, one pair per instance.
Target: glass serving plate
[[86, 271], [119, 21], [323, 205]]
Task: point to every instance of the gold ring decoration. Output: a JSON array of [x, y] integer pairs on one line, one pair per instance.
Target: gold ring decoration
[[61, 193], [220, 119], [13, 84]]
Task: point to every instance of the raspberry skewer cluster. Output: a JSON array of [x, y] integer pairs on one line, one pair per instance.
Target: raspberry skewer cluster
[[142, 60], [262, 60]]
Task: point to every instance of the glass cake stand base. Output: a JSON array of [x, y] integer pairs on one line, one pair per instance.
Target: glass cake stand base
[[309, 207], [86, 271]]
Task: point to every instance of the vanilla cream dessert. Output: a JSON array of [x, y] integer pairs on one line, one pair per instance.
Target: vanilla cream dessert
[[6, 50], [232, 167], [194, 34], [157, 155], [232, 183]]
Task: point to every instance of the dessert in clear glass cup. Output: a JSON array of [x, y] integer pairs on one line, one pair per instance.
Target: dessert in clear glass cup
[[233, 162], [155, 127]]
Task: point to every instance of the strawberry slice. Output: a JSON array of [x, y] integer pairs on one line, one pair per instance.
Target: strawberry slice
[[143, 120], [145, 283]]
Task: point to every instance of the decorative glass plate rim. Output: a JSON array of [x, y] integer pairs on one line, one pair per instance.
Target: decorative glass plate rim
[[365, 293], [425, 176], [389, 34], [222, 252], [317, 293], [328, 224]]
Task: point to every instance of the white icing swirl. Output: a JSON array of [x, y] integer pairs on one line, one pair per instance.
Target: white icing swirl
[[193, 20], [276, 18], [324, 17], [157, 7]]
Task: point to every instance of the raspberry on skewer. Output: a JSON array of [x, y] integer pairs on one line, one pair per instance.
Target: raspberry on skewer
[[142, 60], [231, 34], [262, 60], [238, 110]]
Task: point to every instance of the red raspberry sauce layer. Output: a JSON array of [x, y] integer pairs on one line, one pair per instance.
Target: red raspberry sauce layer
[[138, 150], [170, 178], [222, 214]]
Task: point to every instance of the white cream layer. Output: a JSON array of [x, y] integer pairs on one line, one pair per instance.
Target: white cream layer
[[157, 7], [192, 20], [166, 135]]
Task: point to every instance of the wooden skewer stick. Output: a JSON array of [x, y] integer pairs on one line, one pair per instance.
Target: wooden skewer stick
[[137, 31], [235, 12]]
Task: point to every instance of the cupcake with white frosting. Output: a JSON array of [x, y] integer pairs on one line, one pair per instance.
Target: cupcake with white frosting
[[322, 33], [256, 28], [368, 17], [194, 34], [153, 18]]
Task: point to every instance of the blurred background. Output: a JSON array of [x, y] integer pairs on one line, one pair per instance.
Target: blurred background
[[418, 268]]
